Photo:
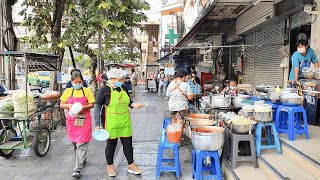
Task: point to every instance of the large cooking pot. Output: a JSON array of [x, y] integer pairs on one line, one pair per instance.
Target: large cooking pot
[[200, 120], [263, 116], [291, 100], [220, 101], [237, 100], [208, 138], [288, 91]]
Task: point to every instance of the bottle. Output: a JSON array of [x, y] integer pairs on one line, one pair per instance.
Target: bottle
[[278, 89]]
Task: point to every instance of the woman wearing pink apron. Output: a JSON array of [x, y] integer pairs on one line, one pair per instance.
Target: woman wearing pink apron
[[79, 128]]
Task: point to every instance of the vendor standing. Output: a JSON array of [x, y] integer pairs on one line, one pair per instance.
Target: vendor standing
[[179, 93], [302, 58], [117, 101], [79, 128]]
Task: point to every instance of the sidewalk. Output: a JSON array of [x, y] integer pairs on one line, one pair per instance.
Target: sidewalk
[[59, 162]]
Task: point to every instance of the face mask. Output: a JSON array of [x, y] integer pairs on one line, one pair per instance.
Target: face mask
[[118, 84], [193, 75], [232, 87], [301, 50], [77, 86]]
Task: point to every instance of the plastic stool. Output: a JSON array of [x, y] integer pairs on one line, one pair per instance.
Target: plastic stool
[[164, 144], [288, 120], [233, 152], [269, 127], [198, 168], [166, 122]]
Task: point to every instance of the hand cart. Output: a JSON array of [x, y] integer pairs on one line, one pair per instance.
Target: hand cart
[[151, 79], [34, 129]]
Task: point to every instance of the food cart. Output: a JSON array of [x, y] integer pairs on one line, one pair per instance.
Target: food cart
[[151, 82], [33, 129]]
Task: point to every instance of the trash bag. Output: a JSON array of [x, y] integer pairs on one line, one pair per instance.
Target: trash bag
[[174, 133]]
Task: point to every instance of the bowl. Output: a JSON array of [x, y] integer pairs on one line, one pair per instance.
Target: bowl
[[308, 75], [291, 100]]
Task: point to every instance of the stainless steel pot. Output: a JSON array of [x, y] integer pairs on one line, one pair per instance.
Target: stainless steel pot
[[288, 91], [317, 75], [237, 100], [246, 113], [263, 116], [208, 138], [308, 74], [220, 101], [241, 129], [294, 100]]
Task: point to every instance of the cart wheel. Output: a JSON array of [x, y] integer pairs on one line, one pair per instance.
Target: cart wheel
[[41, 142], [5, 135]]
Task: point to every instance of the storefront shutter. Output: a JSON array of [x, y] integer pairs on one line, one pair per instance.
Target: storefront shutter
[[268, 56], [249, 60], [300, 19]]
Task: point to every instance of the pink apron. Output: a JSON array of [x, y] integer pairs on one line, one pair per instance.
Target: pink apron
[[79, 134]]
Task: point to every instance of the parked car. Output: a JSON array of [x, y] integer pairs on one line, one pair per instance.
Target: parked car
[[41, 78]]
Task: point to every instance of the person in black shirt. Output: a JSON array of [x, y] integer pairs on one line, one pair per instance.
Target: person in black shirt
[[195, 78], [116, 102], [69, 83]]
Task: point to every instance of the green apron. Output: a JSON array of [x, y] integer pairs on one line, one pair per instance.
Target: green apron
[[118, 122]]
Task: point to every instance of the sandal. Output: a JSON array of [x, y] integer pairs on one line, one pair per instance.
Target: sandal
[[76, 174]]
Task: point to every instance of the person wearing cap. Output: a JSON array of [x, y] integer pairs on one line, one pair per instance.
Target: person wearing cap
[[79, 127], [116, 100], [69, 83]]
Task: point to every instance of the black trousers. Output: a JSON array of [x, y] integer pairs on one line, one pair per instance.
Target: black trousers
[[127, 149]]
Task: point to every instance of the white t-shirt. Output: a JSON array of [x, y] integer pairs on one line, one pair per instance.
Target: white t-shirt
[[178, 101], [161, 78]]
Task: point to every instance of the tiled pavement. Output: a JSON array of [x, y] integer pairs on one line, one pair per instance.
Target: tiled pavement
[[59, 162]]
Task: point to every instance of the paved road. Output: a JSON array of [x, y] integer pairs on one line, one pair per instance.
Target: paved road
[[59, 162]]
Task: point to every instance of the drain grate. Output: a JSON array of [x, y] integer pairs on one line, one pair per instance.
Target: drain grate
[[58, 133]]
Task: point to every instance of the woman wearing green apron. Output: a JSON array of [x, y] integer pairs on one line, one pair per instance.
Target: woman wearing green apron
[[115, 101]]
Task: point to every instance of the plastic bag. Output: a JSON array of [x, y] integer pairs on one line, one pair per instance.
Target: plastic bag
[[174, 133], [6, 107], [20, 99], [50, 95], [75, 109]]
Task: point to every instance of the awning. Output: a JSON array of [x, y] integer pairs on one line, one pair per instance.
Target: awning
[[218, 18], [164, 58]]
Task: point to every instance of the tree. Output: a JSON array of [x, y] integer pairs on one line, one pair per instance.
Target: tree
[[83, 21], [45, 22]]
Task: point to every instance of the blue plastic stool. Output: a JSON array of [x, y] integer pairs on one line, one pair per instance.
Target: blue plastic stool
[[259, 140], [166, 122], [198, 166], [288, 120], [164, 144]]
